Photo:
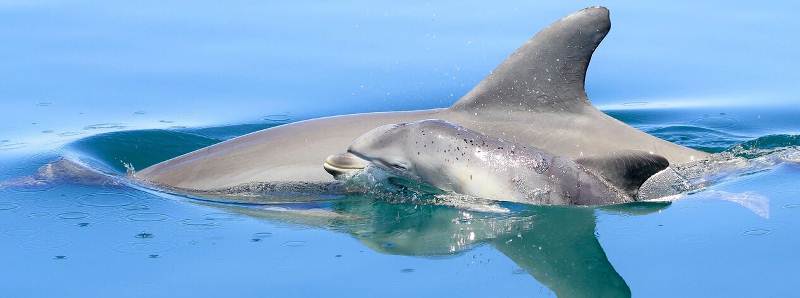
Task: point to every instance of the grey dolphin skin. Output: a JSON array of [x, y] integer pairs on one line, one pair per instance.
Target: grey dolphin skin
[[536, 98], [457, 159]]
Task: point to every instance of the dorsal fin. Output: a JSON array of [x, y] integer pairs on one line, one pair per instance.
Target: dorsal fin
[[547, 73], [626, 170]]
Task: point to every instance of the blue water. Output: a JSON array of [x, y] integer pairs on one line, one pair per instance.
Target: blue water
[[116, 84]]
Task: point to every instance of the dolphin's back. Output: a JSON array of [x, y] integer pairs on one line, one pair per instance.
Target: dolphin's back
[[536, 97]]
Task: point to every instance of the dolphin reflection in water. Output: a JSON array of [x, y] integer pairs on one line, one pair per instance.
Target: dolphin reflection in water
[[556, 245]]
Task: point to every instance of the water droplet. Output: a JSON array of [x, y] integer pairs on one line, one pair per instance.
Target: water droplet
[[144, 235]]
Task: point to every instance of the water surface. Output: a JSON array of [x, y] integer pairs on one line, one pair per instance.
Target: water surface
[[123, 86]]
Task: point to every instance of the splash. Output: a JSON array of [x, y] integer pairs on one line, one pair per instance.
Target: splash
[[748, 158]]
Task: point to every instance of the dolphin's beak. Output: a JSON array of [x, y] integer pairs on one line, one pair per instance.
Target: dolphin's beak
[[343, 163]]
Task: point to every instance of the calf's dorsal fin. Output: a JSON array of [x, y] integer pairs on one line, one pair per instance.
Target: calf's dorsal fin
[[547, 73], [627, 170]]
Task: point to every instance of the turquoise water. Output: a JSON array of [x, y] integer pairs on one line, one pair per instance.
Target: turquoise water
[[122, 86]]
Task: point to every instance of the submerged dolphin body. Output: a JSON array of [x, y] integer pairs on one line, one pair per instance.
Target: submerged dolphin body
[[454, 158], [536, 98]]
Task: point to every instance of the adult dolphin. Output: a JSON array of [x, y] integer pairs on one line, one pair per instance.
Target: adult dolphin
[[535, 97]]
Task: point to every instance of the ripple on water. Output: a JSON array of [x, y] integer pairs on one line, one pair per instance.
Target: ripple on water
[[73, 215], [145, 247], [260, 236], [757, 232], [277, 118], [106, 199], [38, 214], [294, 243], [69, 134], [11, 146], [5, 206], [199, 223], [147, 217], [719, 121], [55, 202], [221, 216], [104, 126], [20, 233], [136, 207], [635, 103]]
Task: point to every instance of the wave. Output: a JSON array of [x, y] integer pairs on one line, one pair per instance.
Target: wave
[[697, 137], [122, 150]]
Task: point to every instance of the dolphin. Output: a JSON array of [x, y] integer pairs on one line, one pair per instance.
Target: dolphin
[[457, 159], [535, 97]]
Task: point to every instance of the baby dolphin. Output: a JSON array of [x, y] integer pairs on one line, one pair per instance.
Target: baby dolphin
[[453, 158]]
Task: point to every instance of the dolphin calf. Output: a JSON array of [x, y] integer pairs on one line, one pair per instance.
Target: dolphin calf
[[453, 158], [535, 97]]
